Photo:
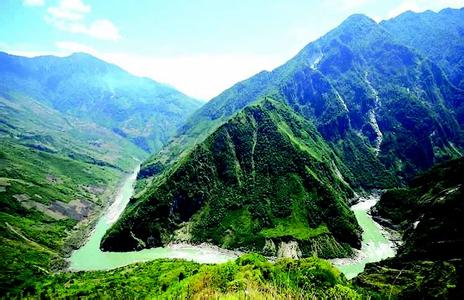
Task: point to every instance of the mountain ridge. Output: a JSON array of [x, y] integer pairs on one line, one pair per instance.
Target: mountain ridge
[[304, 65]]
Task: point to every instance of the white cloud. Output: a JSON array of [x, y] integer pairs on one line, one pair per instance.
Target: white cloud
[[100, 29], [71, 10], [104, 30], [33, 2], [69, 15]]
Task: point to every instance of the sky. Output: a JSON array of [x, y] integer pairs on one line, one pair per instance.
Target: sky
[[201, 47]]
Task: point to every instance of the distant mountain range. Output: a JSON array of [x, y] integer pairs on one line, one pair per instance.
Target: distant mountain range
[[382, 110], [140, 109]]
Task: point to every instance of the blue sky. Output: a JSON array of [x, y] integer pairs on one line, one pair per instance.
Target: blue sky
[[199, 46]]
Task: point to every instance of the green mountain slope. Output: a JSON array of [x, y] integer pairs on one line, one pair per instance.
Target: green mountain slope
[[262, 181], [429, 213], [144, 111], [370, 97], [56, 172]]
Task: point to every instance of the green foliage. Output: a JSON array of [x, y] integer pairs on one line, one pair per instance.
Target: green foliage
[[435, 201], [32, 231], [437, 36], [250, 275], [239, 171], [302, 233], [418, 279]]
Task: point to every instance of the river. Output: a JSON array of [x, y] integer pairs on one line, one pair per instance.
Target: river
[[375, 245]]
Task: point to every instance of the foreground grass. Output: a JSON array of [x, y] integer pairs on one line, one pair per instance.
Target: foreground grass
[[249, 276]]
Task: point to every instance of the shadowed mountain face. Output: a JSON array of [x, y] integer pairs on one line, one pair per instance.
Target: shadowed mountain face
[[369, 95], [429, 211], [437, 36], [140, 109]]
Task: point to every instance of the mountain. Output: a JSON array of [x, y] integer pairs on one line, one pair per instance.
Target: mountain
[[144, 111], [269, 165], [386, 109], [429, 214], [265, 180], [71, 129]]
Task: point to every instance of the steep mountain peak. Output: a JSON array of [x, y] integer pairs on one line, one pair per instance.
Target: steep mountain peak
[[357, 32], [356, 24], [85, 57], [86, 62]]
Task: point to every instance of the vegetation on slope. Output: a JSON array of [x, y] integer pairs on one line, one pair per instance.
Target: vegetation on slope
[[43, 196], [429, 212], [250, 276], [265, 174], [55, 172], [439, 36]]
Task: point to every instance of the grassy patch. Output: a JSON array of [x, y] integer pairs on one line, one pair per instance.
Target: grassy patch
[[298, 231]]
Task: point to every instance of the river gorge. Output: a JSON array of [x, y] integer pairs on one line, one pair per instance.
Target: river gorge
[[376, 244]]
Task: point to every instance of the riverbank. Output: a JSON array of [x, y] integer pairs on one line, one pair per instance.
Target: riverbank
[[206, 247]]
